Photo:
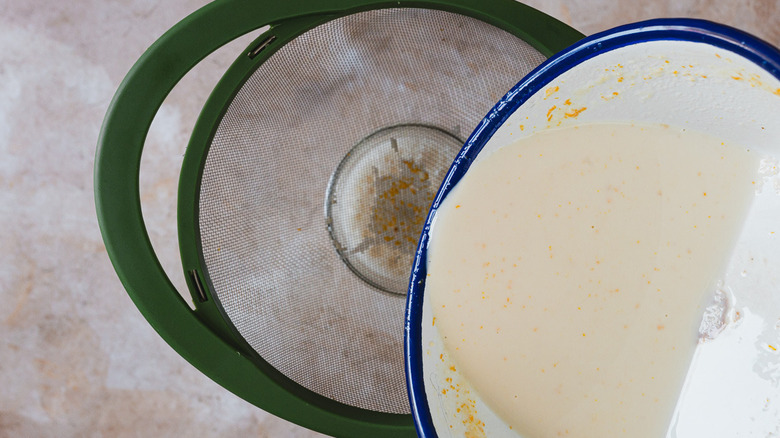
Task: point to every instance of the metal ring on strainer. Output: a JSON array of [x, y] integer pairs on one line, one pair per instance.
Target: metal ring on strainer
[[378, 197], [290, 313]]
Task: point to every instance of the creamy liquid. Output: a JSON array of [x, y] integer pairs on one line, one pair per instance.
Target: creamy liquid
[[567, 272]]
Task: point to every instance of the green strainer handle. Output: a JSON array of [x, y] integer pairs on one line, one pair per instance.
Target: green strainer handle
[[118, 202]]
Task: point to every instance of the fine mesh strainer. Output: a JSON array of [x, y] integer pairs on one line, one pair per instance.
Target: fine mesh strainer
[[305, 186]]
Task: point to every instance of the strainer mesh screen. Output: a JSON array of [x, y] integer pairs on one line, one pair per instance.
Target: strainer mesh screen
[[267, 251]]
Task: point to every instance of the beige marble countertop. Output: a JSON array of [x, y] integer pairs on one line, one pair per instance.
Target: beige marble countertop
[[76, 357]]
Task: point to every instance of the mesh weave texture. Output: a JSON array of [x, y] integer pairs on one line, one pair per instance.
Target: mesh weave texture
[[263, 231]]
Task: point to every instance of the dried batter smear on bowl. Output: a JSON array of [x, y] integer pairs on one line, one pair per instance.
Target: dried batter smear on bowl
[[567, 272]]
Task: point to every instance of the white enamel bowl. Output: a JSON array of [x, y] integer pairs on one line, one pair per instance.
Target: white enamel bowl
[[685, 73]]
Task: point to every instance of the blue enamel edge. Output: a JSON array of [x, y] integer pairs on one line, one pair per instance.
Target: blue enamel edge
[[682, 29]]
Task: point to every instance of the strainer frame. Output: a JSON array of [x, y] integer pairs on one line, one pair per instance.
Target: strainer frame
[[202, 337]]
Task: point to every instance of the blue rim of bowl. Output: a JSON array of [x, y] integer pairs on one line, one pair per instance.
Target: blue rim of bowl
[[675, 29]]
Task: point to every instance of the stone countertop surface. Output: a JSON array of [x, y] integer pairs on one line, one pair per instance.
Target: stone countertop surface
[[76, 357]]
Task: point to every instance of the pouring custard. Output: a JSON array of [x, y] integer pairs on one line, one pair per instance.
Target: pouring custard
[[567, 272]]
